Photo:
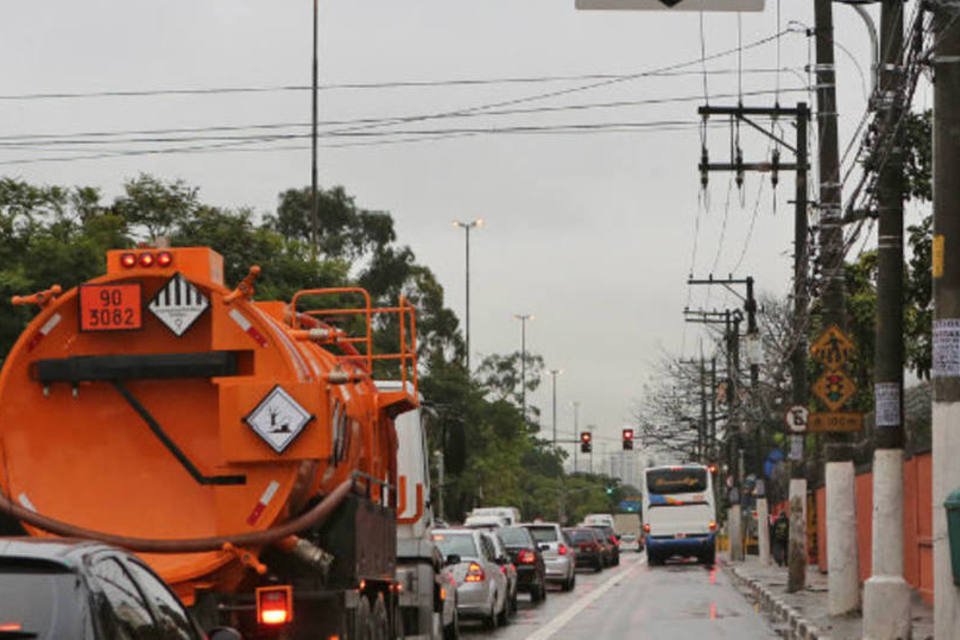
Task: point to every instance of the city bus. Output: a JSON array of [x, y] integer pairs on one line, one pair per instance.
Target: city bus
[[679, 513]]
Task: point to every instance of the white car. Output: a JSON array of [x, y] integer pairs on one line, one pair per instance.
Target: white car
[[482, 589], [485, 522], [510, 514], [559, 553]]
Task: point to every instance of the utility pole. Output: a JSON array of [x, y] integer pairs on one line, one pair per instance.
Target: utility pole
[[886, 595], [576, 432], [946, 307], [314, 202], [440, 482], [703, 433], [797, 543], [553, 374], [523, 317], [843, 579]]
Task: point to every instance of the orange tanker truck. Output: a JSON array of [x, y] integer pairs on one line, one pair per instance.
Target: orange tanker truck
[[240, 447]]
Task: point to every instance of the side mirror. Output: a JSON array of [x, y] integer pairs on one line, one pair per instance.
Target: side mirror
[[224, 633], [452, 559], [543, 547]]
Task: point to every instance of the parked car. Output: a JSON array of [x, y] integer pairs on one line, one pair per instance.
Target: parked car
[[507, 568], [528, 559], [612, 540], [481, 586], [559, 556], [61, 588], [591, 552]]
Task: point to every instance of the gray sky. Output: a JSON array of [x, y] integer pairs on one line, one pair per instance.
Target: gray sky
[[594, 233]]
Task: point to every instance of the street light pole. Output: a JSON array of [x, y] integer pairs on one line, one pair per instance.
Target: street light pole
[[466, 226], [554, 373], [314, 204], [576, 432], [523, 317]]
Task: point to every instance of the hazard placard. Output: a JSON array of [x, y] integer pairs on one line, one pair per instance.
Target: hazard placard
[[110, 307], [278, 419], [178, 304]]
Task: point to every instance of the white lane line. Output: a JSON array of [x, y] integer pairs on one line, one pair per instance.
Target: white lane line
[[561, 620]]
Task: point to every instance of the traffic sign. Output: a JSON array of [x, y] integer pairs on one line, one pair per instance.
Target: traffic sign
[[834, 389], [796, 418], [832, 349], [672, 5], [846, 421]]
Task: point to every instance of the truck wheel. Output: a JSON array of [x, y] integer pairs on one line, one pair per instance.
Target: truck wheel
[[380, 620]]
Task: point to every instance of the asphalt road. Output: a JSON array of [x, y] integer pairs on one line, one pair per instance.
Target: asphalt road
[[634, 600]]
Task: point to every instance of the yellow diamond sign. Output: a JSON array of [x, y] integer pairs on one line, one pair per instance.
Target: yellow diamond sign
[[834, 389], [832, 349]]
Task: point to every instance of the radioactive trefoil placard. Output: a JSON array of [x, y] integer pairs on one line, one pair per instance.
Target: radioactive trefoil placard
[[278, 419], [178, 304]]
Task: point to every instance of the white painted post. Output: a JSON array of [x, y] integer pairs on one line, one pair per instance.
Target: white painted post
[[886, 595], [735, 530], [797, 543], [763, 531], [843, 579]]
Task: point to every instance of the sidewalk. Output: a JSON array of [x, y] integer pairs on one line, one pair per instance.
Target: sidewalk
[[803, 615]]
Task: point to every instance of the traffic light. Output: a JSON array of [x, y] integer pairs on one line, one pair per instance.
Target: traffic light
[[628, 439], [609, 490], [586, 442]]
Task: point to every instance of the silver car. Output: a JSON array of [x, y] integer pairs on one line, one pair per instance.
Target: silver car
[[481, 585], [559, 554]]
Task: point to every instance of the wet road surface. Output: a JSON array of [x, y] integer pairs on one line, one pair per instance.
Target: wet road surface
[[679, 600]]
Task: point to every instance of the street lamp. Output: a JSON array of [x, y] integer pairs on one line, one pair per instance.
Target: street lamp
[[523, 317], [466, 226], [576, 430], [553, 374]]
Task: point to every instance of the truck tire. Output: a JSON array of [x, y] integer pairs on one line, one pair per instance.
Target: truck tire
[[362, 621]]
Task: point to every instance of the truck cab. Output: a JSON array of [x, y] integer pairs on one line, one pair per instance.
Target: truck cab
[[427, 599]]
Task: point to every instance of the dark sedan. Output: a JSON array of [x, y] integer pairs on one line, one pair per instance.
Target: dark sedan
[[527, 557], [613, 543], [590, 549], [55, 588]]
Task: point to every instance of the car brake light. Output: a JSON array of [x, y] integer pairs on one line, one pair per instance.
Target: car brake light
[[10, 626], [128, 260], [475, 573], [562, 549], [526, 557], [274, 605], [164, 259], [712, 526], [646, 528]]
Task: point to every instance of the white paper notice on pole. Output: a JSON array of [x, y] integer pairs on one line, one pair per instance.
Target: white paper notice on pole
[[886, 398], [946, 348], [671, 5], [796, 447]]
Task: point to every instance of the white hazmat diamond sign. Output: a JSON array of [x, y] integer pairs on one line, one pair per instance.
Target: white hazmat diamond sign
[[178, 304], [278, 419]]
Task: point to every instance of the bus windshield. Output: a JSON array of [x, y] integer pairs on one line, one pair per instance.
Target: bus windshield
[[676, 480]]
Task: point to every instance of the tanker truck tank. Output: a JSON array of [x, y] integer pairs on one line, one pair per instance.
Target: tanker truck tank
[[241, 447]]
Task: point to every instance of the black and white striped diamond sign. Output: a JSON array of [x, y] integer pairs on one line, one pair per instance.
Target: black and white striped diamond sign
[[178, 304]]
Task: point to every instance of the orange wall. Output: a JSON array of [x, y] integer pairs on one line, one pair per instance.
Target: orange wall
[[917, 524]]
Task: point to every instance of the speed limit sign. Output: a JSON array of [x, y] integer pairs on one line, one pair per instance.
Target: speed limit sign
[[797, 418]]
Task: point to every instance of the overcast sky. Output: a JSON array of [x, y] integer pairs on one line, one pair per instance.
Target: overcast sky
[[593, 232]]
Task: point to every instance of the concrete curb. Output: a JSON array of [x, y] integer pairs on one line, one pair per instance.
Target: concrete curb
[[795, 626]]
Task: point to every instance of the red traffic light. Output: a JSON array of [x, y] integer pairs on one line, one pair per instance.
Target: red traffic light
[[628, 434], [585, 436], [628, 439]]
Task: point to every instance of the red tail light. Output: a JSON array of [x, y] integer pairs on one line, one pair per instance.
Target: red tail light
[[712, 525], [11, 626], [503, 569], [275, 605], [526, 557], [646, 528], [614, 541], [147, 259], [475, 573], [562, 549], [164, 259], [128, 260]]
